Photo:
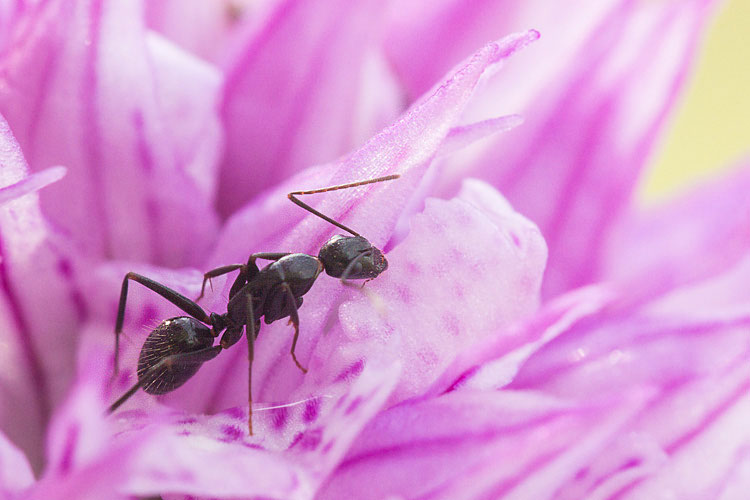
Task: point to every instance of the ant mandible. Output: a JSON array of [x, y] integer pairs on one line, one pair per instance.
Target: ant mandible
[[175, 350]]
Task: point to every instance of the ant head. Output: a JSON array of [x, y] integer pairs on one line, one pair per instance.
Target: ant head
[[353, 256]]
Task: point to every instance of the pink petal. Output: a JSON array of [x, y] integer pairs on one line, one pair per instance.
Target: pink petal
[[405, 314], [662, 342], [80, 89], [316, 434], [425, 37], [691, 349], [468, 445], [592, 117], [79, 431], [38, 322], [293, 91], [493, 363], [690, 441], [15, 472], [691, 237], [83, 462]]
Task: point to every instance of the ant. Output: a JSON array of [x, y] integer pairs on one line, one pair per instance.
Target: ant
[[175, 350]]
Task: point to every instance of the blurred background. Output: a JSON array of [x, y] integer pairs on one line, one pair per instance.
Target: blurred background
[[711, 129]]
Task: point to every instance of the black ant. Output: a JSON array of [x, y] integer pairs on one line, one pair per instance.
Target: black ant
[[176, 349]]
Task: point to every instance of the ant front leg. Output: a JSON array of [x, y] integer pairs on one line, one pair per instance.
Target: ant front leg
[[267, 256], [220, 271], [350, 268], [172, 296]]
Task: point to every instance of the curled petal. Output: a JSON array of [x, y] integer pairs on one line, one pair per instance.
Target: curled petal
[[33, 182]]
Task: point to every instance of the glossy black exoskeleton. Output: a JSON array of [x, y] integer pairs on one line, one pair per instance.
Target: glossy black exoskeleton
[[176, 349]]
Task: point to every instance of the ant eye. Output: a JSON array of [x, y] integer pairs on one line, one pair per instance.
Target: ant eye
[[168, 358], [353, 256]]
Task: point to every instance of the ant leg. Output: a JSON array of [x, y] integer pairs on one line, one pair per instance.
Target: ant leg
[[172, 296], [268, 255], [350, 268], [294, 320], [250, 334], [213, 273], [200, 356]]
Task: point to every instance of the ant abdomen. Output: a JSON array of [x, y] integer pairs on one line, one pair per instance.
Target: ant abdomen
[[164, 364]]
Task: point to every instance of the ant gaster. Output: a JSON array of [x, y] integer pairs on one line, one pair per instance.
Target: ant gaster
[[176, 348]]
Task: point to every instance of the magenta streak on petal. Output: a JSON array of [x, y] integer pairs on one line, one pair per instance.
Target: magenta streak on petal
[[423, 445], [674, 447], [49, 69], [641, 150], [351, 371], [466, 375], [301, 101], [279, 417], [312, 409], [65, 268], [38, 380], [640, 341], [143, 153], [269, 27], [712, 416], [93, 143], [69, 449], [537, 464], [731, 477], [232, 433], [147, 162]]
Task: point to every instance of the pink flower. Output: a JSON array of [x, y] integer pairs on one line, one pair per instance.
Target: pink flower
[[474, 367]]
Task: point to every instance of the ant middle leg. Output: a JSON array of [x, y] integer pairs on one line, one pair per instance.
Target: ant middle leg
[[250, 334], [172, 296], [293, 320]]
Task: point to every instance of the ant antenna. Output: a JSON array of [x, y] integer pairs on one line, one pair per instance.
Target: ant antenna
[[310, 209]]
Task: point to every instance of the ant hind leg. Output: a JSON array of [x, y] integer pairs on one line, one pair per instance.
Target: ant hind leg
[[172, 296]]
